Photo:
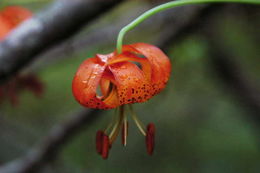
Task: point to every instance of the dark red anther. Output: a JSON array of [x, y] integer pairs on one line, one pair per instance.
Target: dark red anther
[[124, 133], [99, 141], [149, 139], [105, 147]]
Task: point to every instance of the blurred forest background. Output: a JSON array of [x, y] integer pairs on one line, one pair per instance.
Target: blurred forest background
[[207, 119]]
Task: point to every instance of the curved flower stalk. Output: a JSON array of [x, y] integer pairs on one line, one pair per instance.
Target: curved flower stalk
[[109, 81], [10, 18], [167, 6]]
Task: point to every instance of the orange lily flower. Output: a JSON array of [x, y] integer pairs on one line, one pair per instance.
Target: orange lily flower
[[135, 75], [10, 17]]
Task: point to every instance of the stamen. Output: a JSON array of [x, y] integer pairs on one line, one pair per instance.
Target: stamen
[[115, 131], [113, 122], [99, 141], [104, 142], [139, 124], [105, 147], [149, 139], [124, 130]]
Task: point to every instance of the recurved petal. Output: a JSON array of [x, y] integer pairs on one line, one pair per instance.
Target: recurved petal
[[86, 82], [130, 57], [132, 85], [160, 63]]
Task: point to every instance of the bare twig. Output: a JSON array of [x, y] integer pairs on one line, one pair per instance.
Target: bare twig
[[235, 80], [226, 69], [57, 138], [53, 143], [224, 65], [50, 27], [47, 151], [171, 23]]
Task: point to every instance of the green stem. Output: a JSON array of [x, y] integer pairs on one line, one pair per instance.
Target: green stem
[[166, 6]]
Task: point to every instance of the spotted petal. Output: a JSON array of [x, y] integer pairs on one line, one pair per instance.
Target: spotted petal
[[160, 63], [86, 82], [132, 86]]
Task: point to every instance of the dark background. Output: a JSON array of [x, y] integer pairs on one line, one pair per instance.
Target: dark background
[[207, 118]]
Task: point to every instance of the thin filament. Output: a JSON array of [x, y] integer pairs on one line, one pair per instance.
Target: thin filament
[[113, 121], [116, 128], [139, 124], [125, 129]]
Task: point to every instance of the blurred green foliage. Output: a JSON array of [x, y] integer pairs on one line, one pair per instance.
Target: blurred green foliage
[[200, 126]]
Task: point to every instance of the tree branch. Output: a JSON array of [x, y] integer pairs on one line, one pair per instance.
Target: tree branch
[[235, 80], [226, 69], [244, 90], [48, 28], [61, 134], [171, 22], [53, 143]]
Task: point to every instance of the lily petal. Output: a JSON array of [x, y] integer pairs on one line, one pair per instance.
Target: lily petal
[[132, 86], [127, 56], [161, 66], [86, 82]]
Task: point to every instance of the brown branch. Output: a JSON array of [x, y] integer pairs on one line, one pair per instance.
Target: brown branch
[[53, 143], [49, 149], [61, 134], [223, 63], [48, 28], [226, 69], [187, 24], [171, 22], [235, 80]]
